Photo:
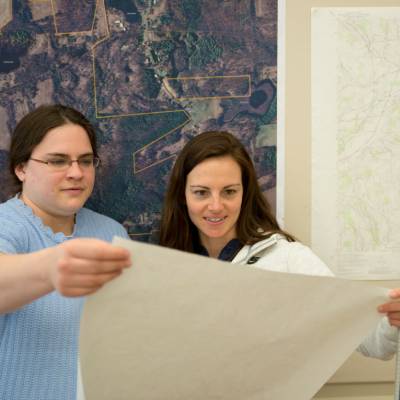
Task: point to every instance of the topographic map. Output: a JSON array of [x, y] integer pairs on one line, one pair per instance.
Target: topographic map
[[357, 134], [149, 74]]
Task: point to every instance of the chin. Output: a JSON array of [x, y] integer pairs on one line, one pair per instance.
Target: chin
[[72, 209], [70, 212], [214, 235]]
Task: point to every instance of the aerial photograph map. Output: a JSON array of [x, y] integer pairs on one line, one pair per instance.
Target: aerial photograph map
[[149, 74]]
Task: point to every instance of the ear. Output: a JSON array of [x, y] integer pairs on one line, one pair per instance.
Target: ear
[[19, 170]]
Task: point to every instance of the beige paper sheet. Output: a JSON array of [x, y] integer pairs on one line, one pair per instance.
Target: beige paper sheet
[[177, 326]]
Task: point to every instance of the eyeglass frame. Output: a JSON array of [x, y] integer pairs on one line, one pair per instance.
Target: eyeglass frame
[[95, 163]]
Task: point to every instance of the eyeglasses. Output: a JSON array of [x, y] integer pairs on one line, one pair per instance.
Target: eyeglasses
[[62, 164]]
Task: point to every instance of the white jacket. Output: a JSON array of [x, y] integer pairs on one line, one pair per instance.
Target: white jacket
[[277, 254]]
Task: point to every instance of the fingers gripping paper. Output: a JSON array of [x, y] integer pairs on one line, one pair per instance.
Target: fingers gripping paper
[[177, 326]]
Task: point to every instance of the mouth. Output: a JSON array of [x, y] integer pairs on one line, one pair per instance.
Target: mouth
[[73, 190], [215, 220]]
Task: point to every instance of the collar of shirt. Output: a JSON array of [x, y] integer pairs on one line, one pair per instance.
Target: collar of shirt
[[228, 253]]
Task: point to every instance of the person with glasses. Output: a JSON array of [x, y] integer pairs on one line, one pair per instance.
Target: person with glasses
[[214, 201], [53, 252]]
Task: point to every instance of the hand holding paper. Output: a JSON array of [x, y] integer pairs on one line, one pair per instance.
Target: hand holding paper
[[392, 308]]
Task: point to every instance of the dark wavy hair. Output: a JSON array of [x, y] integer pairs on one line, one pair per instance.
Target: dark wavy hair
[[33, 127], [256, 221]]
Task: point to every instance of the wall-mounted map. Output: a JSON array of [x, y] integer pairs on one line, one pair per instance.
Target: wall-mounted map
[[149, 74], [356, 140]]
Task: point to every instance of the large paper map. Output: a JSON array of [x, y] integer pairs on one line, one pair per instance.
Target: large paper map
[[356, 140], [149, 74]]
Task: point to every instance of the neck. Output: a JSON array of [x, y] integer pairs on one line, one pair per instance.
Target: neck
[[57, 223], [214, 246], [64, 225]]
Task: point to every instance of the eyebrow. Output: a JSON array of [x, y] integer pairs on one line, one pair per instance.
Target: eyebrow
[[66, 155], [206, 187]]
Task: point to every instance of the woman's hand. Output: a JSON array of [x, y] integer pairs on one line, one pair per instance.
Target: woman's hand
[[84, 265], [392, 308]]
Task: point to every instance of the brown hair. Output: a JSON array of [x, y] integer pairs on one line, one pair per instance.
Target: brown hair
[[255, 222], [33, 127]]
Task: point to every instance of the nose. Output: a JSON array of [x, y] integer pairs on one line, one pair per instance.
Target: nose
[[74, 170], [215, 204]]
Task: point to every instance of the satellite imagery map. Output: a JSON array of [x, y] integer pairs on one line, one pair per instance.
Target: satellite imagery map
[[149, 74]]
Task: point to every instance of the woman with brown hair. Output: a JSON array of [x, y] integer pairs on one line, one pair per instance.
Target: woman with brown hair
[[53, 251], [215, 203], [215, 207]]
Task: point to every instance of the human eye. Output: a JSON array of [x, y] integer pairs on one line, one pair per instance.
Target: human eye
[[86, 162], [58, 162], [200, 193], [230, 192]]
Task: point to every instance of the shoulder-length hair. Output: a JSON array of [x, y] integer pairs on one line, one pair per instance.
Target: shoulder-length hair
[[255, 222], [33, 127]]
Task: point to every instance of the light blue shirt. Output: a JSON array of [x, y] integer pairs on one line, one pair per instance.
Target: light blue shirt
[[39, 342]]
